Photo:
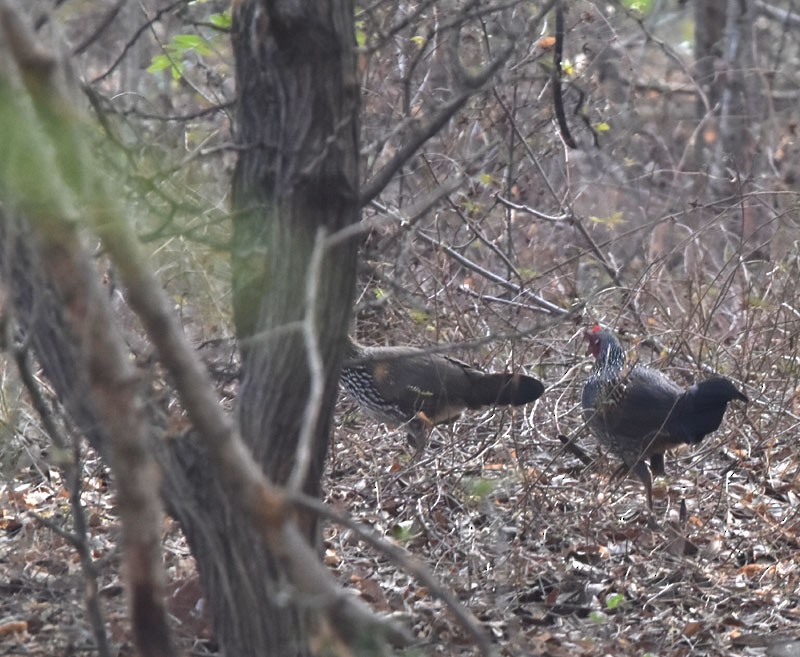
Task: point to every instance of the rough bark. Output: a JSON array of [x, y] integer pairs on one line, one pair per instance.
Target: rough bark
[[297, 178], [284, 195]]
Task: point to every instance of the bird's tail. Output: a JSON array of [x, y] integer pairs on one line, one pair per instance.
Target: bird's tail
[[504, 390], [700, 409]]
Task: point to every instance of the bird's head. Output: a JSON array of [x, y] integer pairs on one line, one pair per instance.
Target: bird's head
[[603, 345], [596, 337]]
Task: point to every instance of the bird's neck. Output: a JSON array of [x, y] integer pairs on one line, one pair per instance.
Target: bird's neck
[[611, 359]]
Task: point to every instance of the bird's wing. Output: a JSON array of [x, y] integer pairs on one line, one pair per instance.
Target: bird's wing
[[428, 383], [645, 403]]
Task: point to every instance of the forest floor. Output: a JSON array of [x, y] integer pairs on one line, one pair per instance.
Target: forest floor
[[549, 554]]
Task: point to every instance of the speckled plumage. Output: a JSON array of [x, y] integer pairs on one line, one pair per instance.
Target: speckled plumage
[[640, 413], [417, 389]]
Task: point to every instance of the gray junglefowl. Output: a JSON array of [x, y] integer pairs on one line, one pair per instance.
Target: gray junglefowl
[[410, 387], [639, 413]]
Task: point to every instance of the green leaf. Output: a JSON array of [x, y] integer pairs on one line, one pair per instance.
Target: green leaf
[[177, 70], [480, 488], [642, 6], [420, 316], [614, 600], [602, 127], [419, 40], [611, 221], [598, 617], [403, 531], [361, 34], [184, 42], [222, 21], [159, 63]]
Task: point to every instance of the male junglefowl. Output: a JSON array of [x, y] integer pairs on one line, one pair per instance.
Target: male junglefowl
[[638, 413]]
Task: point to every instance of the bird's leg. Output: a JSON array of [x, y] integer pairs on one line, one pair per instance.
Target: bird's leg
[[418, 430], [643, 472], [657, 464]]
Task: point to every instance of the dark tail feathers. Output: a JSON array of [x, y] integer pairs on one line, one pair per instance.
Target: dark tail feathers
[[504, 390], [700, 409]]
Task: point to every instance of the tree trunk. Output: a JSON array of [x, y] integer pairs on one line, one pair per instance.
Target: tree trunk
[[297, 174], [729, 74], [709, 22]]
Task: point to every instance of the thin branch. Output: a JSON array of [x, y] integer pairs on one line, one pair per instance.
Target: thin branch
[[72, 473], [521, 207], [407, 562], [142, 29], [611, 271], [111, 14], [578, 223], [788, 18], [189, 116], [558, 97], [496, 278], [418, 137], [316, 367], [46, 140]]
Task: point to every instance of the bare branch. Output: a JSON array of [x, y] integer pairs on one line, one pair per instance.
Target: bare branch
[[496, 278], [316, 368], [406, 562], [132, 41], [107, 373], [558, 97], [788, 18], [109, 17], [422, 134], [113, 385], [72, 475]]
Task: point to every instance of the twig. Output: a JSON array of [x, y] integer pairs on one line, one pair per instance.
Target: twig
[[787, 18], [315, 366], [496, 278], [72, 472], [111, 14], [611, 271], [493, 299], [572, 448], [521, 207], [418, 137], [142, 29], [578, 223], [558, 98], [403, 560]]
